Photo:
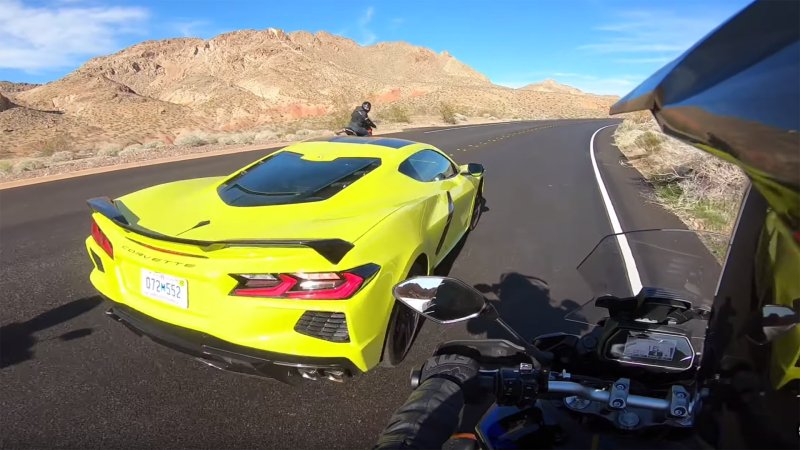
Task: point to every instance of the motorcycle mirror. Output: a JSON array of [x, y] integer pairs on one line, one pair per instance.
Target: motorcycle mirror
[[441, 299]]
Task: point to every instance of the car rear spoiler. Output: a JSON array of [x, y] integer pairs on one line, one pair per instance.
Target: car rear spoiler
[[331, 249]]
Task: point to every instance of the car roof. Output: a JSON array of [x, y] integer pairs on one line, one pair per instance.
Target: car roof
[[387, 149]]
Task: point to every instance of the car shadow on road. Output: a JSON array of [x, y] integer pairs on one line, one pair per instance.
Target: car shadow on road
[[524, 303], [17, 339]]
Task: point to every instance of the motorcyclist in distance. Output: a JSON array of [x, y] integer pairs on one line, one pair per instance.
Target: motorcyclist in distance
[[360, 122]]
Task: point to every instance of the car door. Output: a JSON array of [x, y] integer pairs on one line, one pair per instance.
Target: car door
[[450, 215]]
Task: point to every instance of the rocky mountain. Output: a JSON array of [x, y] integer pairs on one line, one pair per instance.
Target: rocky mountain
[[245, 80], [8, 86], [552, 86]]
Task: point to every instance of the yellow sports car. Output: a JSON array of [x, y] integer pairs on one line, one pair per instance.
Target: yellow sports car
[[286, 267]]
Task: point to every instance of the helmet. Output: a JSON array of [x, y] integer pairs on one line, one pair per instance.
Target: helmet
[[366, 106]]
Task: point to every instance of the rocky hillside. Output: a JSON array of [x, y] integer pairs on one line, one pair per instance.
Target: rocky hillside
[[552, 86], [5, 103], [247, 80]]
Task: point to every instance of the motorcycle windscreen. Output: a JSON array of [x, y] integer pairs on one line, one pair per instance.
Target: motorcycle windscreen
[[687, 263]]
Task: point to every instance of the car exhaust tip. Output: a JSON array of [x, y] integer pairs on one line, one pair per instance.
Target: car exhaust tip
[[335, 375], [213, 364], [309, 374]]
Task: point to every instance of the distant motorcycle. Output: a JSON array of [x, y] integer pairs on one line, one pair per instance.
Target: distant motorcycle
[[350, 132]]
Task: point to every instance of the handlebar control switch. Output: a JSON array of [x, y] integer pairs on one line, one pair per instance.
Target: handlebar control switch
[[519, 386], [678, 401], [618, 398]]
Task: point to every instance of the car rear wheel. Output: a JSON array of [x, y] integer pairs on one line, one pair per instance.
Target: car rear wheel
[[477, 208], [404, 325]]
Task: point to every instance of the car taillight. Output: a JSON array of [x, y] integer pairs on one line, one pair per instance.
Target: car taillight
[[102, 239], [310, 286]]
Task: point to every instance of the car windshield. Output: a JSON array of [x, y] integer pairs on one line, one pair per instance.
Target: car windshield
[[685, 262], [289, 178]]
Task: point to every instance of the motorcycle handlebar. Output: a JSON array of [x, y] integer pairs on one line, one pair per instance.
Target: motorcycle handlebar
[[522, 386], [598, 395]]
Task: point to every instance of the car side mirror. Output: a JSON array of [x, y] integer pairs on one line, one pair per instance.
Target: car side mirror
[[441, 299], [473, 169], [777, 320]]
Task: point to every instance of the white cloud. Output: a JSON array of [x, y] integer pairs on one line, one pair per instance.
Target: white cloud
[[659, 60], [368, 37], [191, 28], [651, 36], [36, 38]]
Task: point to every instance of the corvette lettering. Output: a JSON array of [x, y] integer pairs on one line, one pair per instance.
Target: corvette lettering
[[156, 260]]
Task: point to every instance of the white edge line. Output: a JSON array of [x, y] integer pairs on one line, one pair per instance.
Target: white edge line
[[627, 256]]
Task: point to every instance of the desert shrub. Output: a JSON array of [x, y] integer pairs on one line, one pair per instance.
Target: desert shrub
[[26, 165], [245, 138], [62, 156], [54, 144], [704, 191], [6, 166], [109, 150], [195, 139], [236, 138], [153, 144], [134, 148], [396, 114], [85, 153], [338, 116], [226, 139], [448, 113], [649, 141], [265, 136]]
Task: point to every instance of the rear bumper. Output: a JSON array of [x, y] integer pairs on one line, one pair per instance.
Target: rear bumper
[[229, 356]]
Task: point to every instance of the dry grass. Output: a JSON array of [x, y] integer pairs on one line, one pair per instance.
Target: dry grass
[[448, 113], [704, 191], [395, 114], [27, 165], [196, 139], [339, 115], [5, 167], [62, 156], [236, 138], [55, 144], [265, 136], [109, 150]]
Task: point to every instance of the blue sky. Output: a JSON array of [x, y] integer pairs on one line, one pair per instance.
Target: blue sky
[[604, 47]]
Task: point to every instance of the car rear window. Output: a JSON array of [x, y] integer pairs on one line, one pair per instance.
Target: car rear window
[[288, 178]]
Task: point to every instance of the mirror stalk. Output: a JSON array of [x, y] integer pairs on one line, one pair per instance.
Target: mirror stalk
[[489, 312]]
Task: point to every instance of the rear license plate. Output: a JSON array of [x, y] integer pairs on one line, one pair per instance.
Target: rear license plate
[[165, 288]]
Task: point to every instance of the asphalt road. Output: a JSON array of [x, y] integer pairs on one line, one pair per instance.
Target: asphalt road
[[73, 378]]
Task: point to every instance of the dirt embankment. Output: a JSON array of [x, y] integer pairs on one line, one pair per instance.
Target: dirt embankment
[[703, 190]]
